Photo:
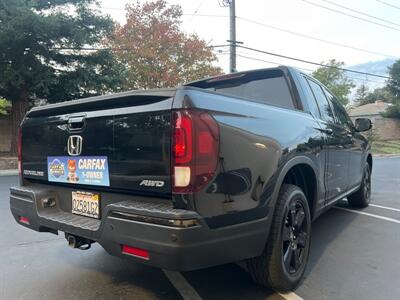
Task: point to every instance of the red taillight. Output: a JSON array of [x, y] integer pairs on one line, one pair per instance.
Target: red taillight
[[135, 252], [195, 150], [182, 134], [24, 220], [20, 151]]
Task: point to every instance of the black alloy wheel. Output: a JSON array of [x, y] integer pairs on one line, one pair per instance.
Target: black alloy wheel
[[367, 184], [362, 197], [282, 264], [294, 237]]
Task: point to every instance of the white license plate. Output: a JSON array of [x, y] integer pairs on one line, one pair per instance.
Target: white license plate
[[86, 204]]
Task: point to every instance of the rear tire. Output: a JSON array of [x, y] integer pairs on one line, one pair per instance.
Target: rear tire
[[282, 264], [362, 197]]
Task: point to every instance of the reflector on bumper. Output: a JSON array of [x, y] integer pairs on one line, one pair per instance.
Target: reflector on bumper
[[144, 254]]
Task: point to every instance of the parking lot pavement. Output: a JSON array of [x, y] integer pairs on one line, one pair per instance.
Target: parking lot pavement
[[353, 256], [386, 182], [41, 266]]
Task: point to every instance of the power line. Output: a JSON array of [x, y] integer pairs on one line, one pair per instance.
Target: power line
[[315, 38], [253, 49], [311, 62], [364, 79], [195, 14], [222, 53], [360, 12], [205, 15], [267, 61], [350, 15], [197, 10], [389, 4], [287, 31], [244, 47], [217, 46], [114, 49], [304, 69]]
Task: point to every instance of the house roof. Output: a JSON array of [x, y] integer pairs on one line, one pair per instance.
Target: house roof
[[369, 109]]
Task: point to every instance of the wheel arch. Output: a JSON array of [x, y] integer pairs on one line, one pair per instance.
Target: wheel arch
[[301, 171]]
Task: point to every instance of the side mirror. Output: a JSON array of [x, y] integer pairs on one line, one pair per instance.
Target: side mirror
[[362, 124]]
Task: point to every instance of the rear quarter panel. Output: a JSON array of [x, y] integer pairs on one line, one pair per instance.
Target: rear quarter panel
[[256, 142]]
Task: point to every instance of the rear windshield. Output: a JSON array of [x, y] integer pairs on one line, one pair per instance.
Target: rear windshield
[[266, 86]]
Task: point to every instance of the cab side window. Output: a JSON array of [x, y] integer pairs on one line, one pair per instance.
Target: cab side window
[[322, 101], [341, 116], [312, 104]]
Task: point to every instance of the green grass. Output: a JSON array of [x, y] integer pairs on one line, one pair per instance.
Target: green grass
[[386, 147]]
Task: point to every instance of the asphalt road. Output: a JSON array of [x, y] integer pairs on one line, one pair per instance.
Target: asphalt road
[[354, 255]]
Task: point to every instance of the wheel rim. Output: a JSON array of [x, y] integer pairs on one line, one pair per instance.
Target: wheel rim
[[367, 184], [295, 237]]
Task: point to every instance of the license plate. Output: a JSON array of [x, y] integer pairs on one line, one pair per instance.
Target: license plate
[[86, 204]]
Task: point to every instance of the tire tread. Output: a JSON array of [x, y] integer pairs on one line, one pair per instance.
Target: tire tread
[[357, 199], [265, 269]]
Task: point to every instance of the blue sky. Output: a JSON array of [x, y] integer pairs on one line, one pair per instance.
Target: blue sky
[[292, 15]]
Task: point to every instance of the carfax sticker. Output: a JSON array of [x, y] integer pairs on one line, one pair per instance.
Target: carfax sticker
[[90, 170]]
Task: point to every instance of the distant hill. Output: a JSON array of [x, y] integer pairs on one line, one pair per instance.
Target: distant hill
[[377, 67]]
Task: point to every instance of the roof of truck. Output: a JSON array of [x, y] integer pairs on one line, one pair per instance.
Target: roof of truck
[[236, 75], [162, 92]]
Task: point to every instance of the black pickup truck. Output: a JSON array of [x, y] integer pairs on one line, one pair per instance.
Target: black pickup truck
[[224, 169]]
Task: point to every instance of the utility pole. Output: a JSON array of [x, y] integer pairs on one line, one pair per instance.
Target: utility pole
[[232, 41]]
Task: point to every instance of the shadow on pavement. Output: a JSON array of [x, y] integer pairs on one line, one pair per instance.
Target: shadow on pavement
[[226, 282], [324, 231], [233, 282], [125, 279]]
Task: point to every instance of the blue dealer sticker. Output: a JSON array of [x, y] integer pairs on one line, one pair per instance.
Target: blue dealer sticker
[[90, 170]]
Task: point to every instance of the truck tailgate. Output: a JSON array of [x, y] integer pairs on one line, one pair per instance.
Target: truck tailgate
[[125, 143]]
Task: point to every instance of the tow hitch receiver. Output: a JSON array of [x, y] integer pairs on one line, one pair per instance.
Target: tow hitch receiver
[[78, 242]]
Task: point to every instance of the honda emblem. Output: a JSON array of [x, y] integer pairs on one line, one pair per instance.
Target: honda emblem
[[74, 145]]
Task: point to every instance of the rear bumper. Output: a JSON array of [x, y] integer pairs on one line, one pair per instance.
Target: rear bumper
[[135, 223]]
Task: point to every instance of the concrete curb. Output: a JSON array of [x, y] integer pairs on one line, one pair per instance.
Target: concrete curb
[[8, 172], [386, 155]]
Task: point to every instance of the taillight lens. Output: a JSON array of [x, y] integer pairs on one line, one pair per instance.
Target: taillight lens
[[183, 138], [20, 151], [24, 220], [195, 150]]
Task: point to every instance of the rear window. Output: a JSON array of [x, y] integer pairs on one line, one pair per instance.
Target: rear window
[[266, 86]]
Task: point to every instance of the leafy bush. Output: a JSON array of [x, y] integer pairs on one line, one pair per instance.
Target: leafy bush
[[393, 111], [5, 105]]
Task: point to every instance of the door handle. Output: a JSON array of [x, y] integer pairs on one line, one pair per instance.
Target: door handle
[[76, 123]]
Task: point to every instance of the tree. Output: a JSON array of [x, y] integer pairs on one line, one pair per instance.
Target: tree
[[393, 86], [34, 61], [156, 52], [361, 94], [394, 80], [4, 106], [392, 111], [335, 79], [382, 94]]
